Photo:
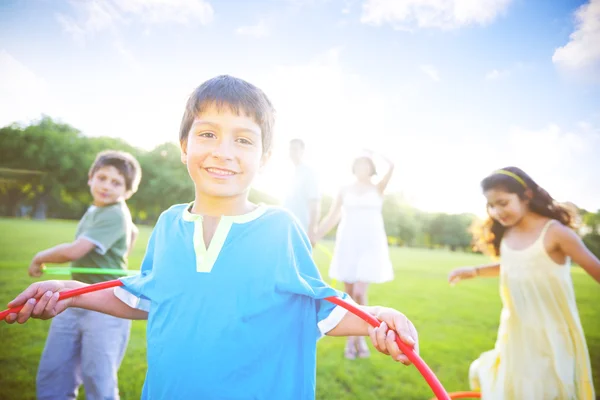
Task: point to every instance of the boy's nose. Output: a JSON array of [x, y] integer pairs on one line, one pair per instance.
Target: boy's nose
[[224, 149]]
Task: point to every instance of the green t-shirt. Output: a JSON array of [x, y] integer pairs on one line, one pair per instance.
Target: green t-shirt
[[109, 228]]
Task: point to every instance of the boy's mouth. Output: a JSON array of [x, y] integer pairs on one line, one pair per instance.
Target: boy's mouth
[[220, 172]]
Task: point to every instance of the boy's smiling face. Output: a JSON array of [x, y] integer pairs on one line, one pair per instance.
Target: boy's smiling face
[[223, 152]]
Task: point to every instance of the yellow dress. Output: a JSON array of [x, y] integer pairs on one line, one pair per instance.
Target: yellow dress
[[540, 351]]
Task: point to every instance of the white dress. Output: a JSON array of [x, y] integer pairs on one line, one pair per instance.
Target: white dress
[[361, 251]]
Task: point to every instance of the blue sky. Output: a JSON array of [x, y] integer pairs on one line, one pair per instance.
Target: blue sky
[[448, 89]]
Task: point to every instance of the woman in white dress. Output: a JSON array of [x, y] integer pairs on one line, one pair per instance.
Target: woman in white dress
[[361, 254]]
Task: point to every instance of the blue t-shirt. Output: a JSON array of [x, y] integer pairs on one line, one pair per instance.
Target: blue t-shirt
[[239, 320]]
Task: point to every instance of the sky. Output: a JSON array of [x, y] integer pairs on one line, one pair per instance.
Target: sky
[[449, 90]]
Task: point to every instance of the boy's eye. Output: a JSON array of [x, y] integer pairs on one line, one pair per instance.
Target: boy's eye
[[207, 134], [244, 141]]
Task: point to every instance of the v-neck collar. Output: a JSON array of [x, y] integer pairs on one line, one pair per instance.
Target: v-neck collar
[[206, 257], [238, 219]]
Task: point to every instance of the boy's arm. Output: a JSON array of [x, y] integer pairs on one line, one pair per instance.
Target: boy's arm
[[40, 301], [352, 325], [383, 337], [106, 302], [61, 253], [303, 278]]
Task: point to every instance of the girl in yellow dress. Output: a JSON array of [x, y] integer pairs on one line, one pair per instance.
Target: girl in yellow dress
[[540, 351]]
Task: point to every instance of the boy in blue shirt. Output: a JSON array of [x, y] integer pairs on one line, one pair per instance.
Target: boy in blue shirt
[[234, 302]]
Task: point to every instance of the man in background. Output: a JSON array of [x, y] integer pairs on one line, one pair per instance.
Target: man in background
[[303, 198]]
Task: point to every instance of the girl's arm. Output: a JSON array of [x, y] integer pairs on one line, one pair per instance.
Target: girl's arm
[[489, 270], [332, 218], [383, 183], [572, 246], [459, 274], [40, 301]]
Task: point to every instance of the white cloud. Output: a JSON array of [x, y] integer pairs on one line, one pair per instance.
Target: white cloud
[[563, 161], [127, 55], [96, 15], [552, 144], [348, 6], [259, 30], [443, 14], [161, 11], [515, 68], [71, 27], [431, 72], [24, 94], [582, 53], [496, 74]]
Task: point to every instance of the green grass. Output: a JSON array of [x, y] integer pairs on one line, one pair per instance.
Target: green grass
[[455, 324]]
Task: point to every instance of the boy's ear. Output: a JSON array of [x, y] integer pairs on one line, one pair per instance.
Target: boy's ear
[[183, 148], [265, 159]]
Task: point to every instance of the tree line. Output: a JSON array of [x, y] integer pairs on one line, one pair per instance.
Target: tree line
[[43, 174]]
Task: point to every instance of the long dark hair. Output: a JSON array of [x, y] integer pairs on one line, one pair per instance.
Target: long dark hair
[[514, 180]]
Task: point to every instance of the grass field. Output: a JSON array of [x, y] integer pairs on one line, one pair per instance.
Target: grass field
[[455, 324]]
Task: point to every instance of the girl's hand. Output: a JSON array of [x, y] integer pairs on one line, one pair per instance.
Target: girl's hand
[[460, 274], [313, 238], [40, 301], [317, 235], [384, 337]]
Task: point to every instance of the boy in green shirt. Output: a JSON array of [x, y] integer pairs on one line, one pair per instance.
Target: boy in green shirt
[[86, 346]]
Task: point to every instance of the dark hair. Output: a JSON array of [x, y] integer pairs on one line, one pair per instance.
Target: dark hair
[[368, 160], [238, 96], [514, 180], [125, 163]]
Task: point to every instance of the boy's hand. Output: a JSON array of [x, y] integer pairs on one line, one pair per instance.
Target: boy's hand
[[35, 269], [384, 337], [460, 274], [40, 301]]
